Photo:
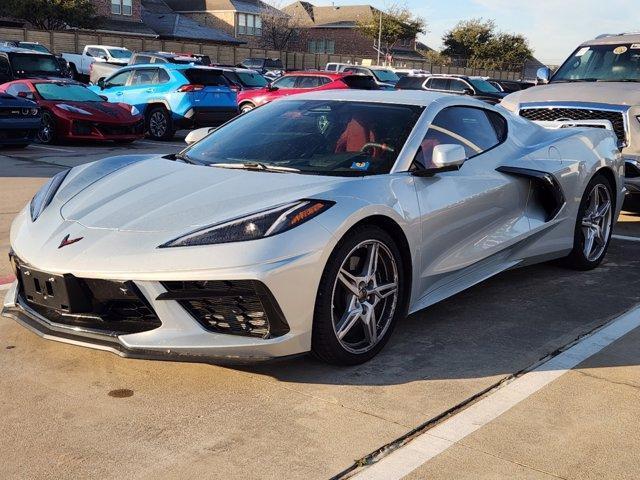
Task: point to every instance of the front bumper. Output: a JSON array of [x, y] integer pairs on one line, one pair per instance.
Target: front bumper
[[86, 130], [18, 131]]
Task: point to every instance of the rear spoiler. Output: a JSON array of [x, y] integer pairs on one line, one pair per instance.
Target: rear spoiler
[[558, 124]]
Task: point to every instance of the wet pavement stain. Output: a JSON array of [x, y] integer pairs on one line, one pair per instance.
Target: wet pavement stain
[[121, 393], [10, 347]]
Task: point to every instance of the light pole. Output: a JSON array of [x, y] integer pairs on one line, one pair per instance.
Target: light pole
[[379, 38]]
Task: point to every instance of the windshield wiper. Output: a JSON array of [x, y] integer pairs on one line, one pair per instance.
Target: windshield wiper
[[633, 80], [182, 157], [256, 166], [575, 80]]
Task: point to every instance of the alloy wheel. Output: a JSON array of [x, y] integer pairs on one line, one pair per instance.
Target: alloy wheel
[[596, 222], [45, 134], [158, 124], [365, 296]]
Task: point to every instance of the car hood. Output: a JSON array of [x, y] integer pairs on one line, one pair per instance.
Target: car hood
[[159, 195], [614, 93], [103, 110], [9, 101]]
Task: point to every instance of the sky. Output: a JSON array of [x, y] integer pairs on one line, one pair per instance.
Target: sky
[[554, 27]]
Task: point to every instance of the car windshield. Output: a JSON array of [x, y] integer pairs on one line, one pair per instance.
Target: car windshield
[[386, 76], [66, 92], [483, 86], [117, 53], [24, 63], [34, 46], [249, 79], [270, 63], [602, 63], [311, 136]]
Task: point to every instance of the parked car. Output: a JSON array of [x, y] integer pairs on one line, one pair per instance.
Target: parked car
[[70, 111], [103, 70], [172, 96], [599, 81], [301, 82], [80, 64], [510, 86], [270, 67], [19, 121], [336, 67], [18, 63], [403, 72], [38, 47], [384, 76], [243, 78], [475, 87], [308, 228]]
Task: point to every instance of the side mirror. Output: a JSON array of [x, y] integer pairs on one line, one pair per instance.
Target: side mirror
[[543, 74], [27, 95], [104, 57], [445, 158], [104, 97], [101, 83], [468, 91], [197, 135], [271, 87]]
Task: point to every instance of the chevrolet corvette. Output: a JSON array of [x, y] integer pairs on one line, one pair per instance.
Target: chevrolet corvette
[[313, 223]]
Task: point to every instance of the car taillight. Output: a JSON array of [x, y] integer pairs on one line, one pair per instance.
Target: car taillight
[[190, 87], [234, 87]]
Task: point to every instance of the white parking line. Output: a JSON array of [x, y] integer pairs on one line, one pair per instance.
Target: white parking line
[[52, 149], [427, 445], [5, 286], [160, 144], [628, 239]]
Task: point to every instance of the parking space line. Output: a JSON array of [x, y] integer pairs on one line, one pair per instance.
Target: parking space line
[[160, 144], [5, 286], [626, 238], [52, 148], [436, 440]]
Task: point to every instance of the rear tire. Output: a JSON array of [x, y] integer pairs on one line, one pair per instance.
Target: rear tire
[[246, 107], [359, 301], [594, 225], [158, 124]]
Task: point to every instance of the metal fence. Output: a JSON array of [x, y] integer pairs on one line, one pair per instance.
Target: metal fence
[[73, 41]]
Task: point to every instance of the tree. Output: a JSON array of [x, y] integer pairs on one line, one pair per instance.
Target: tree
[[478, 41], [279, 30], [52, 14], [398, 22]]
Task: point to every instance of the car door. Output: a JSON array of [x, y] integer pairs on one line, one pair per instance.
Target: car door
[[142, 87], [283, 86], [471, 216], [114, 87], [459, 86]]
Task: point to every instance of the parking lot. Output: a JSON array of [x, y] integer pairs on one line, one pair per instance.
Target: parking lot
[[71, 412]]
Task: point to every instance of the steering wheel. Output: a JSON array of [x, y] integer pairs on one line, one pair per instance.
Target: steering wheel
[[382, 146]]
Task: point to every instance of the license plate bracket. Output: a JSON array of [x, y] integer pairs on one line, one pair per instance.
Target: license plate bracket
[[59, 292]]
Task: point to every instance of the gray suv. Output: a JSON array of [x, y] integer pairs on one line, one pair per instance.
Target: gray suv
[[599, 81]]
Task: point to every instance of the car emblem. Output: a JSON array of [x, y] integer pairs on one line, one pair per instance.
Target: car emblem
[[65, 241]]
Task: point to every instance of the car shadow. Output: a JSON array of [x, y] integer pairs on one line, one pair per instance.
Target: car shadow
[[499, 327]]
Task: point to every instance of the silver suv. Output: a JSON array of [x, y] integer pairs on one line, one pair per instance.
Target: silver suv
[[599, 81]]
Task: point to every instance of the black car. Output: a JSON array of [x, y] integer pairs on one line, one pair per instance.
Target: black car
[[19, 121], [475, 87], [264, 66], [16, 63], [38, 47], [243, 78], [510, 86]]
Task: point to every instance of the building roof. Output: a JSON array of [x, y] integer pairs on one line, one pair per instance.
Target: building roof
[[335, 16], [125, 26], [159, 16], [244, 6]]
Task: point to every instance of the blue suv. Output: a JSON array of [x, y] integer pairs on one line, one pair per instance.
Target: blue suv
[[172, 97]]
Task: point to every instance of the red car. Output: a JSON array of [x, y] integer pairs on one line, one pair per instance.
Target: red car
[[301, 82], [70, 111]]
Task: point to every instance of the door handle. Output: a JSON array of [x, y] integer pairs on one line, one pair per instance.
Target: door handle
[[119, 94], [151, 90]]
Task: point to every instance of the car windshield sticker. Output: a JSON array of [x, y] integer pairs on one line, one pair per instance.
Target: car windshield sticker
[[363, 166], [582, 51], [635, 46], [620, 50]]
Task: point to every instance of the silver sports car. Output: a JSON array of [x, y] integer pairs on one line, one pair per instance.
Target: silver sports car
[[313, 223]]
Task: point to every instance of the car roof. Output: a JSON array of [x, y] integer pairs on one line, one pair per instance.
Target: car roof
[[107, 46], [7, 49], [614, 39], [318, 73]]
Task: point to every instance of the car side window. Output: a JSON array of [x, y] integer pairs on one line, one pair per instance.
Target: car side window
[[475, 129], [286, 82], [18, 88], [162, 76], [141, 59], [438, 83], [456, 85], [118, 80], [97, 52], [159, 60], [144, 76], [308, 82]]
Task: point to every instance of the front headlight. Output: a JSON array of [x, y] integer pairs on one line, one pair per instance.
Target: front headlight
[[44, 196], [71, 108], [266, 223]]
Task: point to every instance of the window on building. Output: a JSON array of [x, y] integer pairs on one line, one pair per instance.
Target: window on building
[[122, 7], [322, 46], [249, 24]]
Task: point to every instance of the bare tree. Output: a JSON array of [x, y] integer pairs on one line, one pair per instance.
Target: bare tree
[[279, 30]]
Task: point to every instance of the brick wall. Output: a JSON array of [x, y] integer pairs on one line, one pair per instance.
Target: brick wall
[[224, 21], [103, 8]]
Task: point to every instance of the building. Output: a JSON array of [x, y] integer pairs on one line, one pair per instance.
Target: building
[[333, 30], [170, 25], [122, 16], [242, 19]]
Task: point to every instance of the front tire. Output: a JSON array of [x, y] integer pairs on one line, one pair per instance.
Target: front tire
[[47, 132], [159, 125], [360, 298], [594, 225]]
